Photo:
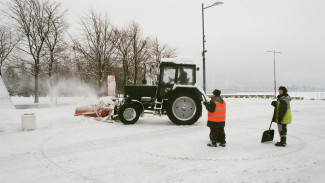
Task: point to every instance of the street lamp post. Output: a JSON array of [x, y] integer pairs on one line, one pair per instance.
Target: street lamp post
[[203, 40], [274, 52]]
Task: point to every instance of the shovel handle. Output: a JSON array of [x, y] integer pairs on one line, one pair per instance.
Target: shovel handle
[[270, 125]]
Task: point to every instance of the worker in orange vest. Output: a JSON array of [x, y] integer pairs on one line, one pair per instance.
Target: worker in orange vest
[[216, 119]]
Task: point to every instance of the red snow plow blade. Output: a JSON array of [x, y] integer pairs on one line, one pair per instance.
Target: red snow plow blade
[[88, 110], [98, 110]]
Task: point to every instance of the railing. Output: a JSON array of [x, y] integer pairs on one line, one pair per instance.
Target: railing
[[253, 96]]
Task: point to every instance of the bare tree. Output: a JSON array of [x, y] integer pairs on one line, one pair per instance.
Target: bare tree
[[95, 46], [7, 44], [54, 40], [123, 45], [157, 52], [160, 50], [137, 54], [140, 49], [32, 19]]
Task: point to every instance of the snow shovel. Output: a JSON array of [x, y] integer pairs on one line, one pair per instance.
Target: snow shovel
[[268, 134]]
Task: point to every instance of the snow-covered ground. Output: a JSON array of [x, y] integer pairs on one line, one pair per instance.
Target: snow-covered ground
[[65, 148]]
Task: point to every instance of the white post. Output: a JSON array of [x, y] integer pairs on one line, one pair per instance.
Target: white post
[[111, 85]]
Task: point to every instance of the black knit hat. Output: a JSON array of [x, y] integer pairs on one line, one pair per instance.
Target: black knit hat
[[216, 92], [284, 89]]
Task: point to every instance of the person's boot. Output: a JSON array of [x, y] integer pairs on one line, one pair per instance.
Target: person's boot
[[212, 144], [282, 143], [223, 142]]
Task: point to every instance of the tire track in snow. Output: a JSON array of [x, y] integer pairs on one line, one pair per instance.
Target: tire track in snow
[[48, 162], [301, 145], [117, 140], [292, 168], [318, 132], [295, 167], [42, 157]]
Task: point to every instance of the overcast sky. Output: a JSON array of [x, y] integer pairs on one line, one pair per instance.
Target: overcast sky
[[239, 33]]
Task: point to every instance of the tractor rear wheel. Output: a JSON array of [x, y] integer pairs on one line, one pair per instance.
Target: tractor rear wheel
[[184, 109], [128, 113]]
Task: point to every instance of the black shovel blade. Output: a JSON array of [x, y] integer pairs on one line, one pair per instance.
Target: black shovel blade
[[267, 136]]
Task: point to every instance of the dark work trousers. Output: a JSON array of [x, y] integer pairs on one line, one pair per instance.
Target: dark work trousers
[[282, 130], [217, 134]]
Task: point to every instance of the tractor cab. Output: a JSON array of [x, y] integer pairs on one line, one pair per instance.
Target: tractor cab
[[173, 73]]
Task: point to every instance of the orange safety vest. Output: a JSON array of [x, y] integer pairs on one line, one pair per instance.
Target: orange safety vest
[[219, 114]]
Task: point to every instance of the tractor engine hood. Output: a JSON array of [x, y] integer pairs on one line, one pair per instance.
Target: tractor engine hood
[[198, 90]]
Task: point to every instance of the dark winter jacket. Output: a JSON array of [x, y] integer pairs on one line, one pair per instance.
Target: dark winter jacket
[[280, 107], [211, 107], [183, 78]]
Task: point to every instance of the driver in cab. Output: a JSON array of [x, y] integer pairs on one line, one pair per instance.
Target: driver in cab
[[182, 76]]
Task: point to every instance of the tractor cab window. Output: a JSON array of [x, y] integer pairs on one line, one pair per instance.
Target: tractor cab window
[[168, 75], [185, 76]]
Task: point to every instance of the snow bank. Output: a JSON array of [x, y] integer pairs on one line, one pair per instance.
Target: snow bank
[[7, 109], [5, 100]]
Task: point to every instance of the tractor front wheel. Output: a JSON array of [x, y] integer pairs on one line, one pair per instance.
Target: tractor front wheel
[[128, 114]]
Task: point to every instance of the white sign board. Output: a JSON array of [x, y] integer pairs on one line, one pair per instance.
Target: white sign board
[[111, 85]]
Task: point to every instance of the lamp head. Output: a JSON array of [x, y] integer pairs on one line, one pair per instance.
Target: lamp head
[[217, 3]]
